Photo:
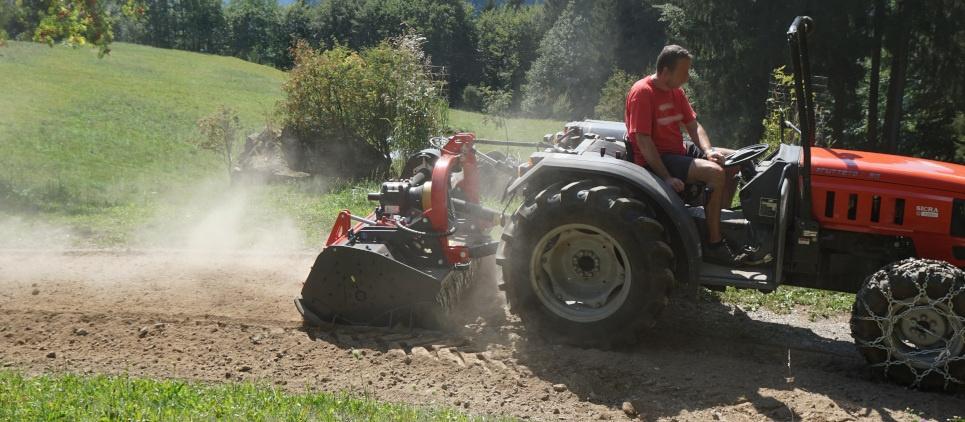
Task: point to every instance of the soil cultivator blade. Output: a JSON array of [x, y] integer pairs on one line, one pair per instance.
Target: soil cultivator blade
[[364, 285], [411, 259]]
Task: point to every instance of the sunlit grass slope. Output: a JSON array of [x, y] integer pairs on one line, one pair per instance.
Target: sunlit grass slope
[[518, 129], [104, 145], [80, 134]]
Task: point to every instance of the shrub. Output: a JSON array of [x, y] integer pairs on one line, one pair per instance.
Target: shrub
[[780, 107], [474, 97], [383, 99], [220, 130], [613, 97], [496, 109]]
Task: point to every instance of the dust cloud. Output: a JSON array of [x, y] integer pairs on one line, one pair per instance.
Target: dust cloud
[[230, 250], [211, 245], [17, 232], [485, 300], [213, 218]]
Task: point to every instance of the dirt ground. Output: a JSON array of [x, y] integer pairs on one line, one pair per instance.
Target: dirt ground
[[229, 317]]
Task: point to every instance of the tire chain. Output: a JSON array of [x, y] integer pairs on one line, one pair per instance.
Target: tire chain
[[888, 323]]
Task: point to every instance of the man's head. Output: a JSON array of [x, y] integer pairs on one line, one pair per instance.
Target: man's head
[[673, 66]]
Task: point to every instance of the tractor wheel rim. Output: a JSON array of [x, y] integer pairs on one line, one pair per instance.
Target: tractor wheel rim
[[926, 335], [580, 273]]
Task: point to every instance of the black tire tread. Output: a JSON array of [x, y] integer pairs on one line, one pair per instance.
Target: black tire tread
[[559, 201]]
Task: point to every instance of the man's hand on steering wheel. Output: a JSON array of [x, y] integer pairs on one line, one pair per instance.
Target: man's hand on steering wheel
[[716, 156]]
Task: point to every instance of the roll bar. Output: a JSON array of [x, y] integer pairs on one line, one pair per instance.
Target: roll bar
[[797, 37]]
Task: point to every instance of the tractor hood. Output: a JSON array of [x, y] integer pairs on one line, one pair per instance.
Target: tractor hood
[[908, 171]]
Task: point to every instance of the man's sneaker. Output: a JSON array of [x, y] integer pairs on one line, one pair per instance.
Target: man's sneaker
[[720, 254]]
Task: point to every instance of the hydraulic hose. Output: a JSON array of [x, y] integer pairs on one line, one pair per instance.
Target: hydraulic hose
[[450, 232]]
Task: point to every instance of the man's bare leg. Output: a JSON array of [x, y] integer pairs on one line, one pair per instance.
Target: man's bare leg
[[713, 176], [730, 182]]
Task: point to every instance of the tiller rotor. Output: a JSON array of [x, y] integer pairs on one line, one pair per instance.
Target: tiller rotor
[[411, 260]]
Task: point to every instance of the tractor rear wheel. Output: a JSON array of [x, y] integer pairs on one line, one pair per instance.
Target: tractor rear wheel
[[585, 264], [908, 321]]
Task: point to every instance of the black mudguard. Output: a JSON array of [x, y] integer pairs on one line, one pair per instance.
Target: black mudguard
[[552, 166]]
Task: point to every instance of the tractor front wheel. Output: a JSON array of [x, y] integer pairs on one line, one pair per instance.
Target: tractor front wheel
[[908, 321], [585, 264]]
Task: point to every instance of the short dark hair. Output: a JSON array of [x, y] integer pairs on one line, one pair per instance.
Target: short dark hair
[[669, 55]]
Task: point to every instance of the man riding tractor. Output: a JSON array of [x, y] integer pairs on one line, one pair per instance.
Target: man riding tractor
[[656, 110]]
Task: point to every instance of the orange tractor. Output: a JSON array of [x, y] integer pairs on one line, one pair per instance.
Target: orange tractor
[[591, 254]]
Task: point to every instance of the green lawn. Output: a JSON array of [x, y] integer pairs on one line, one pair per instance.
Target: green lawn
[[519, 129], [103, 146], [80, 398], [81, 134]]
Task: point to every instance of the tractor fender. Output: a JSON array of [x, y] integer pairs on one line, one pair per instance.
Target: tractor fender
[[550, 166]]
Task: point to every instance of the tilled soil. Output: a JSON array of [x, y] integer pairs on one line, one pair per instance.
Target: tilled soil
[[230, 317]]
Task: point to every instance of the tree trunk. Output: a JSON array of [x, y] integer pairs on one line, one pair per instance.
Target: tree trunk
[[896, 87], [872, 133]]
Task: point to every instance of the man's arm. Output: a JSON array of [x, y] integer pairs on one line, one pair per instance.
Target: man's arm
[[699, 136], [652, 157]]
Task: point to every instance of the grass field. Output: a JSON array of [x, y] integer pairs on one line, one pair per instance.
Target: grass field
[[73, 397], [517, 129], [104, 146], [81, 134]]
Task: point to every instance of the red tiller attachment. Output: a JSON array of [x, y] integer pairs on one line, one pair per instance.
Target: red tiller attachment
[[411, 259]]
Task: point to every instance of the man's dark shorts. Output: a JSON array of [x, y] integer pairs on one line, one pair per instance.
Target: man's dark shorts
[[679, 165]]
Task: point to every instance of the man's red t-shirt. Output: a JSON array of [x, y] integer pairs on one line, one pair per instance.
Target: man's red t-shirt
[[658, 113]]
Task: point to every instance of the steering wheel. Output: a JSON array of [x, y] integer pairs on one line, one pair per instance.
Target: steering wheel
[[745, 154]]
